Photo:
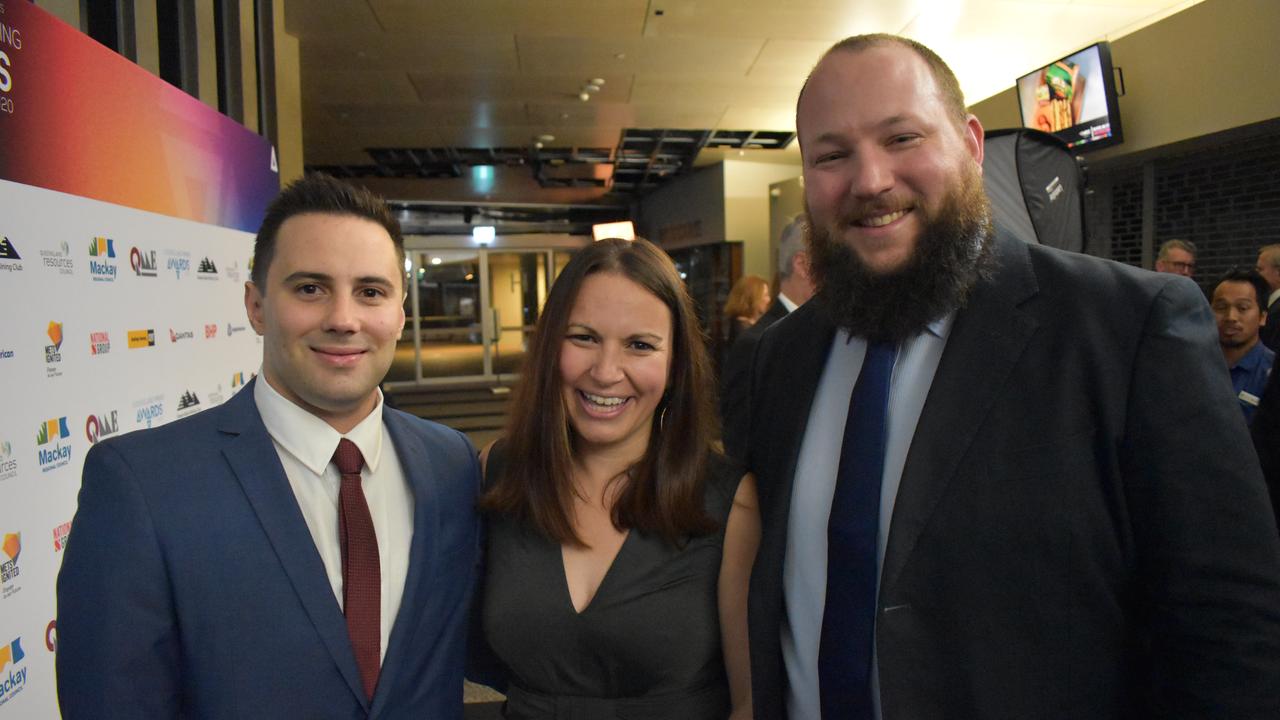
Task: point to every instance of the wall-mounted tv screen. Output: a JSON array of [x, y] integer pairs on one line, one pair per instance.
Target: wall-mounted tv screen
[[1074, 99]]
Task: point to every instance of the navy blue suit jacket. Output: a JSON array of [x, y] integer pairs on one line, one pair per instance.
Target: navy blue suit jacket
[[193, 588]]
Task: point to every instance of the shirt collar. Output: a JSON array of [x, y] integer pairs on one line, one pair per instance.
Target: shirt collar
[[1249, 361], [312, 440], [1275, 295], [787, 302], [939, 328]]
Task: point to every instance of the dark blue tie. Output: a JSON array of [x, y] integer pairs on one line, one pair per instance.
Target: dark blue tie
[[848, 622]]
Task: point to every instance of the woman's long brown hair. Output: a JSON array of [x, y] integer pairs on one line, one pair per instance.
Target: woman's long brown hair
[[663, 491]]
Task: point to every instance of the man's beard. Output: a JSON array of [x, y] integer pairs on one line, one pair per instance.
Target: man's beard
[[952, 253]]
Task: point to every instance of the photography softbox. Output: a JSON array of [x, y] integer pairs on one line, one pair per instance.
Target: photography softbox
[[1036, 187]]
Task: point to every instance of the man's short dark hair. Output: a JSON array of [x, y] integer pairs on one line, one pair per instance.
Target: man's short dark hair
[[1260, 288], [948, 85], [319, 193]]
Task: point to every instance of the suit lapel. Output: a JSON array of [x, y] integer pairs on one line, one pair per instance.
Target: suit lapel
[[256, 465], [414, 461], [797, 354], [986, 341]]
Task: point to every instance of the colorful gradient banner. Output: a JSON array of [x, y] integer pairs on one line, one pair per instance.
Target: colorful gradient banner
[[78, 118]]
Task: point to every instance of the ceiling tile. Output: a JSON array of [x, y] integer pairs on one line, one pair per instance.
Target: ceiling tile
[[518, 87], [481, 17], [332, 18], [595, 55]]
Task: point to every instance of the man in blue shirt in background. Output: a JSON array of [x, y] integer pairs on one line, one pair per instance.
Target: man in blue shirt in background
[[1238, 305]]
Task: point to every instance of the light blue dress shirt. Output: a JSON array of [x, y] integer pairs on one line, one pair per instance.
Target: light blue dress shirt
[[804, 574]]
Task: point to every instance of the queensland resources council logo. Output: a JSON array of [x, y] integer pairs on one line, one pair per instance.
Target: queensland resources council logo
[[102, 255], [54, 443], [188, 404], [143, 262], [99, 343], [142, 338], [149, 411], [97, 427], [13, 674], [59, 259], [10, 260], [53, 353], [177, 261], [207, 270], [60, 536], [8, 463], [10, 549]]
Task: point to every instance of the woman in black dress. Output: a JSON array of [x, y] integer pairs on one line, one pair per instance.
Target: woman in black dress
[[620, 541]]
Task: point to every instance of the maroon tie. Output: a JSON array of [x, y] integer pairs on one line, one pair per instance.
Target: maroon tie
[[361, 575]]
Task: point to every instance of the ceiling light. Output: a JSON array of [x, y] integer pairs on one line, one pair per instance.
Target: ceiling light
[[584, 96], [597, 81], [483, 234], [591, 87], [436, 260], [538, 145], [546, 138], [620, 56]]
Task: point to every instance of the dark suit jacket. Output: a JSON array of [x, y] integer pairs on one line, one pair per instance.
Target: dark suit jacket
[[1266, 438], [1081, 528], [1271, 331], [735, 380], [196, 590]]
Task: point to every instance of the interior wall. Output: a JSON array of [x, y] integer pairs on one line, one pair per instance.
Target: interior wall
[[746, 210], [68, 11], [1206, 69], [686, 211]]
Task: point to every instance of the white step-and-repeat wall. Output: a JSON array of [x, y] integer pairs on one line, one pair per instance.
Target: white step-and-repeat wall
[[126, 217]]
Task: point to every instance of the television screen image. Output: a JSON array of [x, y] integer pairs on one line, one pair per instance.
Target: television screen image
[[1074, 99]]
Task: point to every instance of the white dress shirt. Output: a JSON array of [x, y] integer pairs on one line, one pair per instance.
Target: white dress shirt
[[787, 302], [306, 444], [804, 574]]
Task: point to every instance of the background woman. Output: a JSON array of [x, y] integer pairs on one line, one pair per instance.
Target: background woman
[[620, 543], [748, 299]]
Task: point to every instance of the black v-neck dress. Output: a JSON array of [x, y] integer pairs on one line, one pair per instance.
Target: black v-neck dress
[[647, 647]]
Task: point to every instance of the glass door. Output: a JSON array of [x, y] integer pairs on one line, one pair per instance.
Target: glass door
[[470, 313]]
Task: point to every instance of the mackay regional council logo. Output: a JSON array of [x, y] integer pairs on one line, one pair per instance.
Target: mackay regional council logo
[[10, 260], [143, 262], [54, 442], [102, 255], [10, 549], [53, 352], [13, 677]]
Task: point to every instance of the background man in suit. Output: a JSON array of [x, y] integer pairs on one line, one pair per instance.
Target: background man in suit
[[1268, 266], [1177, 257], [997, 480], [226, 568], [795, 287]]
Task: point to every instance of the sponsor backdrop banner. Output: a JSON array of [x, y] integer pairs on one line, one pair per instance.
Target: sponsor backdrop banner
[[124, 206]]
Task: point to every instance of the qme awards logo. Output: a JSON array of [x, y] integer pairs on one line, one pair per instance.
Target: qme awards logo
[[98, 427], [53, 352], [54, 443], [143, 262], [13, 676], [10, 260], [102, 255], [10, 549], [207, 269], [142, 338]]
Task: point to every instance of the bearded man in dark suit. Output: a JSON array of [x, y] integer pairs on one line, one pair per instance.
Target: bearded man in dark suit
[[997, 480]]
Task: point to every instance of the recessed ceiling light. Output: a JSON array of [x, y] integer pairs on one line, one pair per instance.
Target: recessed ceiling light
[[598, 82], [546, 138], [620, 56], [584, 96]]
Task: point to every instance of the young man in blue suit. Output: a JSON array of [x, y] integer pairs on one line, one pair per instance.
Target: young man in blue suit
[[301, 551]]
